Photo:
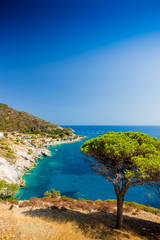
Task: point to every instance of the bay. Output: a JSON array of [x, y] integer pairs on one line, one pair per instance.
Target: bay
[[68, 171]]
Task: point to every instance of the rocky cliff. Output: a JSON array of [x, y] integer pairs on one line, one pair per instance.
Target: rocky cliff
[[11, 171]]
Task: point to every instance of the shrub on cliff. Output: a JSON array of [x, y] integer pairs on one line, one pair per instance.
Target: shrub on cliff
[[10, 155], [7, 190], [52, 193], [30, 151]]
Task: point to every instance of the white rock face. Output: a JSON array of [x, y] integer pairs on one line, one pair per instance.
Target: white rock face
[[12, 173], [1, 134], [8, 172]]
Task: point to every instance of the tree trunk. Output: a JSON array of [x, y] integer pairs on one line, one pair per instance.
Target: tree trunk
[[119, 222]]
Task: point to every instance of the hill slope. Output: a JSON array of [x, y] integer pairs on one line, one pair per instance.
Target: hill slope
[[67, 219], [13, 120]]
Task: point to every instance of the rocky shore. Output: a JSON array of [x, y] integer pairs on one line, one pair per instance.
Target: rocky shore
[[12, 172], [57, 142]]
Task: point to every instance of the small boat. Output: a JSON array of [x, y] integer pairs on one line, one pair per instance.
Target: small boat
[[56, 150]]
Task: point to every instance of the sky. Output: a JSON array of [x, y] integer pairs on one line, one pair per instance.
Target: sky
[[83, 62]]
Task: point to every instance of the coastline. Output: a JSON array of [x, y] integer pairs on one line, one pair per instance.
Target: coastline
[[64, 141], [13, 173]]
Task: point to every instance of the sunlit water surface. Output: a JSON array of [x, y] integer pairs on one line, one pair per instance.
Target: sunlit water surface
[[68, 171]]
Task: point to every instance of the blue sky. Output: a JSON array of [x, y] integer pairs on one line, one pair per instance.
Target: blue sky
[[82, 62]]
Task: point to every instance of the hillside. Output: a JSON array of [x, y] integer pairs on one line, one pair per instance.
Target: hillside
[[67, 219], [19, 121]]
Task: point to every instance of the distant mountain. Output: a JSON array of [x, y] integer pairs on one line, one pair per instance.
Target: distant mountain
[[19, 121]]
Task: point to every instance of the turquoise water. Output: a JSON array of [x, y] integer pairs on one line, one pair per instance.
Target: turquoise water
[[68, 171]]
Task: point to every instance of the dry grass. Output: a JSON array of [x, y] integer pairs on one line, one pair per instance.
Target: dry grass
[[60, 222], [21, 227]]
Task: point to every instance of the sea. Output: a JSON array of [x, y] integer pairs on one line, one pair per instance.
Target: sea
[[68, 170]]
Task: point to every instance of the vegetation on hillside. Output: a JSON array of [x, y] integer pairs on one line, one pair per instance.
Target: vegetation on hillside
[[52, 193], [7, 191], [68, 219], [84, 219], [126, 160], [6, 150], [12, 120], [89, 205]]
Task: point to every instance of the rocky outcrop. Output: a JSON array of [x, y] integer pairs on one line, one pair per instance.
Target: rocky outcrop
[[12, 173], [8, 172]]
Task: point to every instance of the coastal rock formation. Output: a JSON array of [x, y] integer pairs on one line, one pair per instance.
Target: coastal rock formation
[[23, 158], [22, 140], [8, 172], [12, 173]]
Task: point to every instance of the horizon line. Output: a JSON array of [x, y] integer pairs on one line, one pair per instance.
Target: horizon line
[[108, 125]]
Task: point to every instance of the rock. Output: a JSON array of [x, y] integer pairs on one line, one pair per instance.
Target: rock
[[24, 162], [8, 172], [45, 152]]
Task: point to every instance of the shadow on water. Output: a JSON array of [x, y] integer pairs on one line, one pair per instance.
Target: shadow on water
[[72, 171], [71, 194]]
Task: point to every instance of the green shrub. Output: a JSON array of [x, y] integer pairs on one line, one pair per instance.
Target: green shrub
[[67, 198], [98, 201], [82, 199], [8, 149], [48, 194], [52, 194], [10, 155], [7, 191], [142, 207], [75, 137], [30, 151]]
